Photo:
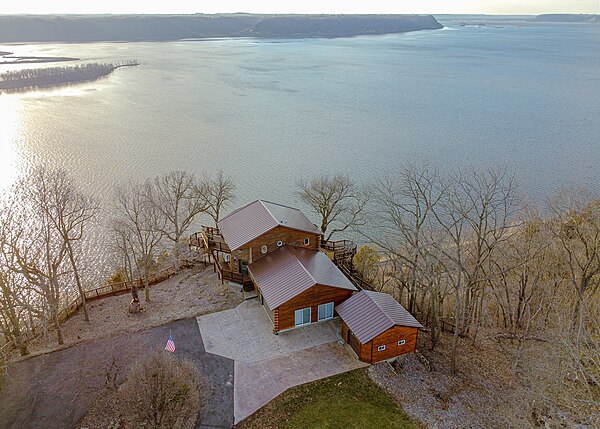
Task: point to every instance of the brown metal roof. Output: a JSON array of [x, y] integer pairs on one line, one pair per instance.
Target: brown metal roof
[[369, 314], [254, 219], [289, 271]]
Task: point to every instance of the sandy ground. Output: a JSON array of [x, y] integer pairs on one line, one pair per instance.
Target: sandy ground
[[483, 394], [192, 293]]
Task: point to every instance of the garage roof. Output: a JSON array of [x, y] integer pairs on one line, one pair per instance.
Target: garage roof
[[256, 218], [369, 314], [289, 271]]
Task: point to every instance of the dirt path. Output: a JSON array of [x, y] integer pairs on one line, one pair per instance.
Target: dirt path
[[56, 390]]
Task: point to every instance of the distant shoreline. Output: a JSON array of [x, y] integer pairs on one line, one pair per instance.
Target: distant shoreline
[[7, 58], [157, 28]]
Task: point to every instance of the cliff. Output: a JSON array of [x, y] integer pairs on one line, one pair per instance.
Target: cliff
[[96, 28]]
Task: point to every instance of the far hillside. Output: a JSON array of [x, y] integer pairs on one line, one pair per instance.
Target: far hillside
[[96, 28], [565, 17]]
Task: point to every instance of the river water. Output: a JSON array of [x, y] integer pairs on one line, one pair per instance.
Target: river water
[[270, 112]]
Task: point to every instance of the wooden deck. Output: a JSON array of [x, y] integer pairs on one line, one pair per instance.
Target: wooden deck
[[212, 241], [343, 250]]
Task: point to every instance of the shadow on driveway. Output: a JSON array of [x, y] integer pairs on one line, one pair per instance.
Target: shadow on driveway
[[57, 389]]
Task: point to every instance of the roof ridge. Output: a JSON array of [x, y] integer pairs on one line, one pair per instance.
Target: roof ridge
[[379, 307], [239, 209], [302, 265], [282, 205], [262, 203]]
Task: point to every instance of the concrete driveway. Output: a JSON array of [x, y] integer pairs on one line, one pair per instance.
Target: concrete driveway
[[267, 364]]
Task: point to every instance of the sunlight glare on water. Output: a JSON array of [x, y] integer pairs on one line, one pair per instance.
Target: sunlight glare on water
[[9, 159]]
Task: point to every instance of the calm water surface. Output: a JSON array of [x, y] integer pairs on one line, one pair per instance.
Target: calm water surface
[[269, 112]]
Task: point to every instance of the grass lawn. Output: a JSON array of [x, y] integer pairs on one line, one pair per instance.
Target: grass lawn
[[344, 401]]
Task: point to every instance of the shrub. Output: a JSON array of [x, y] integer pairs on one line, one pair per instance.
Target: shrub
[[162, 392]]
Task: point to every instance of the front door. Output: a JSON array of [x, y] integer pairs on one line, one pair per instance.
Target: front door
[[243, 265], [354, 343]]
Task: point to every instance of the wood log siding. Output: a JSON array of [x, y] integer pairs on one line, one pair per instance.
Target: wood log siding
[[312, 298], [290, 237], [276, 320], [390, 339], [368, 352]]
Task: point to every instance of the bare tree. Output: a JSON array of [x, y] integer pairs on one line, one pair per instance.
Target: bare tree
[[69, 212], [336, 199], [476, 215], [217, 191], [177, 198], [400, 225], [577, 231], [11, 300], [37, 252], [139, 230]]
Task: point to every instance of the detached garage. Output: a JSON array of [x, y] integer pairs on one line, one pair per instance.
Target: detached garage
[[377, 327]]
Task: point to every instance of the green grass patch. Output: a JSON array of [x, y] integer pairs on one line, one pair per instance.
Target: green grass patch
[[345, 401]]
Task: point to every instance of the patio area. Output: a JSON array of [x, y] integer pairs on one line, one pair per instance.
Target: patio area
[[267, 364]]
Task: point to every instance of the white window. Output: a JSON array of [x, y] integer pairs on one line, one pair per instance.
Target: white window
[[326, 311], [380, 348], [280, 243], [401, 342], [263, 249], [302, 317], [306, 241], [226, 257]]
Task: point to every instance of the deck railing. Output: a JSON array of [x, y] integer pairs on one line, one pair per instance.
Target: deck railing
[[343, 250], [212, 240], [356, 280]]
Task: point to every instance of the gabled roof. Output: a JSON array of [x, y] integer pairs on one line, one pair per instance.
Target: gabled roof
[[254, 219], [289, 271], [369, 314]]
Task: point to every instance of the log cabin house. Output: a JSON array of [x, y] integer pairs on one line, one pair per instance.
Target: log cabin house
[[278, 254]]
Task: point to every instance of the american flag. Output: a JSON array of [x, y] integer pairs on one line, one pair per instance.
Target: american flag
[[170, 347]]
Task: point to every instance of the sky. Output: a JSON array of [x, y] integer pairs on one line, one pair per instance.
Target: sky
[[509, 7]]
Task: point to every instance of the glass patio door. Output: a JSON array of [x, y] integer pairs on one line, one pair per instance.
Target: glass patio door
[[302, 317], [326, 311]]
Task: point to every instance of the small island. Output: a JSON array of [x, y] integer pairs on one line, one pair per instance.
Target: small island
[[24, 80]]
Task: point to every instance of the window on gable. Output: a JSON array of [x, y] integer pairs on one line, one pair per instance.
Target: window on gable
[[401, 342], [264, 249], [306, 241], [280, 243], [380, 348]]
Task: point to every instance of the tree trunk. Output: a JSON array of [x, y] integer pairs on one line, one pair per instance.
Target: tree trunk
[[434, 320], [86, 315], [134, 292], [59, 334], [146, 286], [455, 337]]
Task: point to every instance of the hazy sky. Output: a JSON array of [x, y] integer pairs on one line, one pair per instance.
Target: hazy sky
[[299, 6]]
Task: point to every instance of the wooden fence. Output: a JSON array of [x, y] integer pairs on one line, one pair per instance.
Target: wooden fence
[[108, 290]]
